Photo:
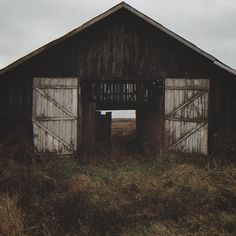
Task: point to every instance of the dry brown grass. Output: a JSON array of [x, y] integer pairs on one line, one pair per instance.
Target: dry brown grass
[[163, 195], [123, 126], [11, 218]]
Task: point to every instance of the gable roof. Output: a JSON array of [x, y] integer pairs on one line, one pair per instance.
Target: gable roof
[[104, 15]]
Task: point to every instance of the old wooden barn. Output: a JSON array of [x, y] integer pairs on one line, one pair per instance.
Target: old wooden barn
[[184, 98]]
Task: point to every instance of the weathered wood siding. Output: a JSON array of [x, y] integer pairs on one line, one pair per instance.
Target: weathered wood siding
[[15, 108], [186, 115], [55, 113], [222, 114], [121, 46], [88, 129], [103, 130]]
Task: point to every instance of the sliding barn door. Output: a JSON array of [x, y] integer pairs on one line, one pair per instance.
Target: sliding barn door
[[186, 115], [55, 114]]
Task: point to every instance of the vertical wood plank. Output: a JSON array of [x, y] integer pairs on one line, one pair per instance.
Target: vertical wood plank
[[55, 114], [186, 115]]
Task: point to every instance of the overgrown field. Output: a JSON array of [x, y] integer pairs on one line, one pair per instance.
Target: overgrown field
[[135, 195]]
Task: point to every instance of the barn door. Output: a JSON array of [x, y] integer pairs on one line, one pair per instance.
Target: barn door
[[186, 115], [55, 114]]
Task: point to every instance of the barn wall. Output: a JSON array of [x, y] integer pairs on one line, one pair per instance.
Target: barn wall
[[16, 107], [150, 124], [103, 129], [88, 128], [222, 115], [121, 46]]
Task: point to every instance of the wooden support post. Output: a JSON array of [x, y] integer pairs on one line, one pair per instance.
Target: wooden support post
[[88, 132], [149, 125], [103, 130]]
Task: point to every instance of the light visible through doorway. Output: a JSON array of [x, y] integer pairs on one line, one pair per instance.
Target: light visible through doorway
[[123, 132], [122, 139]]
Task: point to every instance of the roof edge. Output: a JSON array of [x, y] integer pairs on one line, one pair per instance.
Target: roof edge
[[106, 14], [182, 40], [62, 38]]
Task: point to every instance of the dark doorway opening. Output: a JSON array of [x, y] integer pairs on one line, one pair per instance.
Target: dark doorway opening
[[116, 130], [104, 97], [124, 136]]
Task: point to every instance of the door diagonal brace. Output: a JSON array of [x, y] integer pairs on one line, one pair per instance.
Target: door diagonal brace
[[186, 103], [187, 135], [55, 102]]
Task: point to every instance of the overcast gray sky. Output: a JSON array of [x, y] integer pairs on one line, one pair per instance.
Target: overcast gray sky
[[26, 25]]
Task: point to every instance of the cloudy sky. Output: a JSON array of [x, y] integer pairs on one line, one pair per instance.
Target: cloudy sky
[[26, 25]]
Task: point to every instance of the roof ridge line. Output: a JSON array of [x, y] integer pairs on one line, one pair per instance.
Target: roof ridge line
[[106, 14]]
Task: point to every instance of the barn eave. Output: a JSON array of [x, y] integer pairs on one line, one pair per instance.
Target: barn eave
[[106, 14]]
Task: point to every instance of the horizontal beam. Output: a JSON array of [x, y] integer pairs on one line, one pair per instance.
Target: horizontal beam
[[53, 118], [192, 120], [117, 106], [55, 87], [118, 80], [185, 88]]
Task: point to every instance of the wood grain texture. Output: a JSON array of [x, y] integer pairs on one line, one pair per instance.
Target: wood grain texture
[[186, 115], [55, 114], [120, 47]]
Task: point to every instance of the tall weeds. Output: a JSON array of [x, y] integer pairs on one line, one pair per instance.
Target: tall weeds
[[164, 195], [11, 218]]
